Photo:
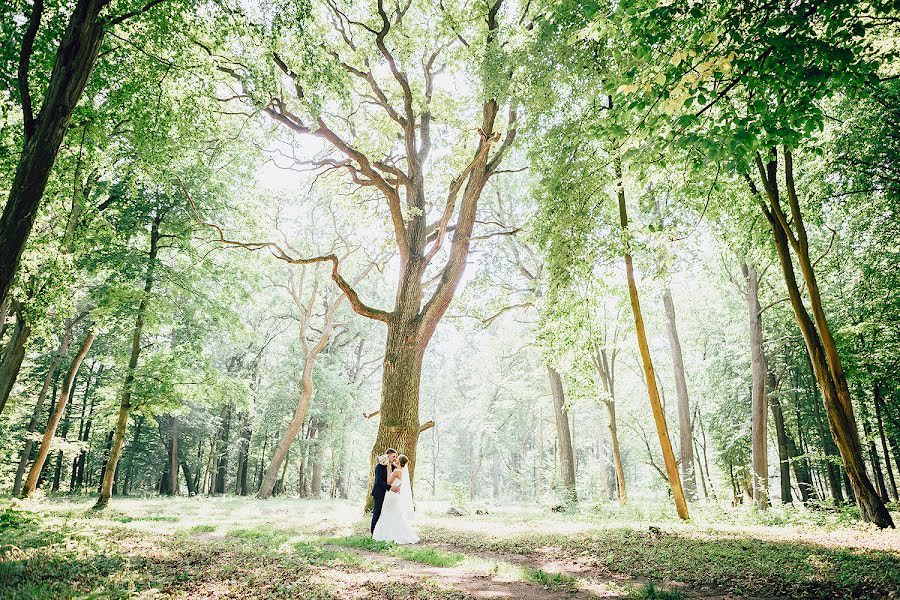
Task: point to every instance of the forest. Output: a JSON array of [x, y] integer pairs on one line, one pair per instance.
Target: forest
[[621, 279]]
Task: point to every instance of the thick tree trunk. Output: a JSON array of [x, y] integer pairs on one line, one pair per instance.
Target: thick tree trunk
[[25, 456], [109, 474], [75, 58], [44, 450], [685, 431], [563, 437], [758, 403], [820, 343], [399, 417], [659, 416]]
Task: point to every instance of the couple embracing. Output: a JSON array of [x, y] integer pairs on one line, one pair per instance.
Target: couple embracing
[[392, 513]]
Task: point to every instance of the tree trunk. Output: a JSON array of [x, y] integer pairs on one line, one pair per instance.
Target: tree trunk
[[318, 456], [63, 433], [659, 416], [685, 432], [32, 424], [109, 475], [44, 450], [13, 355], [759, 410], [243, 458], [873, 451], [832, 472], [876, 394], [74, 61], [784, 458], [221, 457], [563, 437], [173, 457], [601, 455], [399, 417], [820, 343]]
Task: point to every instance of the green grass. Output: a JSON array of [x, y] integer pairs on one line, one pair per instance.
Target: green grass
[[651, 592], [428, 556], [203, 528], [550, 580]]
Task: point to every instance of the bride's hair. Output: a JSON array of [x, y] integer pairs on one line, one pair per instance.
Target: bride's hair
[[403, 460]]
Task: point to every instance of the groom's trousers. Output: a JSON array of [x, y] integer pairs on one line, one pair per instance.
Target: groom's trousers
[[376, 510]]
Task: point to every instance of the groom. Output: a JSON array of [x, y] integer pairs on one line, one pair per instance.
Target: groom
[[381, 486]]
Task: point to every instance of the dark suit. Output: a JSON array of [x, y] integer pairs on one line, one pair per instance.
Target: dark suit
[[379, 489]]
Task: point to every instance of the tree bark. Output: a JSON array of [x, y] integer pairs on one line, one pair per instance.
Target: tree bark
[[820, 343], [759, 409], [243, 458], [13, 355], [563, 437], [685, 431], [659, 417], [44, 450], [109, 475], [75, 58]]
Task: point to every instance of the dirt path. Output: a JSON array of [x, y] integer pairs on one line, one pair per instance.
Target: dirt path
[[474, 582]]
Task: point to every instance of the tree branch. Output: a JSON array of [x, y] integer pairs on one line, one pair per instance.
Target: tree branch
[[133, 13], [278, 252]]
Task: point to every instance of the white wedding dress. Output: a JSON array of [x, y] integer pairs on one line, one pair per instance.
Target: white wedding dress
[[395, 523]]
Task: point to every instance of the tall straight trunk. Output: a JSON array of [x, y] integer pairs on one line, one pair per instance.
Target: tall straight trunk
[[317, 470], [685, 430], [784, 458], [13, 355], [539, 463], [876, 394], [221, 458], [563, 437], [25, 456], [109, 475], [173, 458], [758, 403], [74, 61], [820, 343], [129, 462], [189, 480], [44, 450], [659, 416]]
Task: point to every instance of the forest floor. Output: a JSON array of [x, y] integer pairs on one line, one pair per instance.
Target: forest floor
[[246, 548]]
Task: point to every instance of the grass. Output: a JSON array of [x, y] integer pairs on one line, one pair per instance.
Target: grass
[[550, 580], [651, 592], [429, 556], [58, 548]]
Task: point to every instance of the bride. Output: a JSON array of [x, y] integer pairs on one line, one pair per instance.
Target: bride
[[394, 525]]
